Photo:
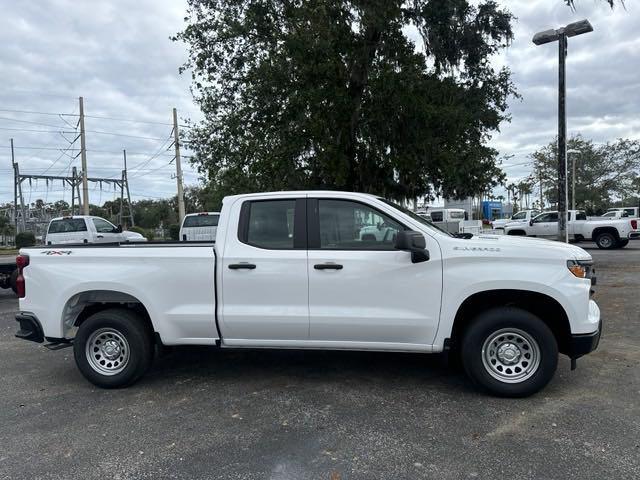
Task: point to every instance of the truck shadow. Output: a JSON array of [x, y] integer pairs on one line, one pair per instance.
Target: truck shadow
[[204, 364]]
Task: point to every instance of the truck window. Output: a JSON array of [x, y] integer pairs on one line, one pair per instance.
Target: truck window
[[581, 216], [457, 215], [546, 217], [102, 226], [519, 216], [347, 225], [202, 220], [270, 224], [437, 216], [67, 225]]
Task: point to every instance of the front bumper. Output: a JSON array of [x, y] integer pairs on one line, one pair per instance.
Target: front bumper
[[30, 328], [584, 343]]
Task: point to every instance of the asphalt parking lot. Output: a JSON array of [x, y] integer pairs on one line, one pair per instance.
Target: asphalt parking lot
[[202, 413]]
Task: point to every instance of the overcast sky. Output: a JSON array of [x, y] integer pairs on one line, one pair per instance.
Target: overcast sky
[[118, 56]]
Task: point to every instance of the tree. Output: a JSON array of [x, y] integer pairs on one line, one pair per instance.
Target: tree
[[604, 173], [335, 95]]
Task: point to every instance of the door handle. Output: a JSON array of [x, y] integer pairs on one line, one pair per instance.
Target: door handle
[[99, 236], [327, 266], [238, 266]]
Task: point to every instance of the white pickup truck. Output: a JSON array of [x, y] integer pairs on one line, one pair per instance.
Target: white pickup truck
[[607, 233], [523, 216], [292, 270]]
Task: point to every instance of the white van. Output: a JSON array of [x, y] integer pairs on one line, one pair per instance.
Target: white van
[[199, 227]]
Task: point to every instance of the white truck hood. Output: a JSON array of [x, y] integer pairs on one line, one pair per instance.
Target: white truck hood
[[525, 247]]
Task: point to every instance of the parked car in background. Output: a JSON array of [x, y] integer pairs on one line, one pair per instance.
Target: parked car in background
[[633, 212], [523, 216], [133, 236], [200, 227], [87, 229], [612, 214], [607, 233], [448, 218], [292, 270]]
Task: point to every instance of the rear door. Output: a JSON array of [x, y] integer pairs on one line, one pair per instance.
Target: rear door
[[264, 288], [364, 293]]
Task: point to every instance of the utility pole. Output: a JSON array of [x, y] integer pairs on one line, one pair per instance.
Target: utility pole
[[15, 188], [176, 143], [83, 154], [541, 192], [124, 185]]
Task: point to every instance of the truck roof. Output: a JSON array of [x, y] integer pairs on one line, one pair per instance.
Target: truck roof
[[67, 217], [300, 192]]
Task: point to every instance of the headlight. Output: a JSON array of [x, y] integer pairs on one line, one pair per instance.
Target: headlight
[[580, 268]]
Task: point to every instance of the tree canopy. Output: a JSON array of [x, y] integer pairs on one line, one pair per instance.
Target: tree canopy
[[338, 95], [605, 173]]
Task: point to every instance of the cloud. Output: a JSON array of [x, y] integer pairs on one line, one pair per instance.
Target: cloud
[[118, 56], [602, 77]]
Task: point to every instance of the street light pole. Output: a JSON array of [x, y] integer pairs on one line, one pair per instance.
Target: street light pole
[[562, 139], [560, 35]]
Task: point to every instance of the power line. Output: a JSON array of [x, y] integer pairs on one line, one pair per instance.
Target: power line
[[127, 120], [39, 113], [30, 122]]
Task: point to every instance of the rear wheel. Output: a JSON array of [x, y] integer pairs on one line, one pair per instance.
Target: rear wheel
[[509, 352], [606, 241], [113, 348]]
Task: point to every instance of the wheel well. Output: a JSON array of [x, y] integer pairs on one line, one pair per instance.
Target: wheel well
[[82, 305], [541, 305], [610, 230]]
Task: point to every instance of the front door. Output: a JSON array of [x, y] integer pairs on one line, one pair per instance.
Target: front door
[[264, 288], [363, 293], [106, 232], [545, 225]]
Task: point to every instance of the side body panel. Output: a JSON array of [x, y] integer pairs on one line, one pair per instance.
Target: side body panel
[[175, 284]]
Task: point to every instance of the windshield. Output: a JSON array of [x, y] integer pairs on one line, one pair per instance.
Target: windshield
[[415, 216], [519, 216]]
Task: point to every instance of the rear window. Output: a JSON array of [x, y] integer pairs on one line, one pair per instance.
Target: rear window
[[67, 225], [201, 221], [436, 216], [457, 215]]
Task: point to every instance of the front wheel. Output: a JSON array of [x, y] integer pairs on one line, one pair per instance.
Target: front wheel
[[509, 352], [113, 348]]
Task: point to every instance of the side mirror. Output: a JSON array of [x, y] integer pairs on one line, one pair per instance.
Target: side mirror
[[119, 229], [413, 242], [531, 222]]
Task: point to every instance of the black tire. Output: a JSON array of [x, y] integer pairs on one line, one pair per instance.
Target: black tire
[[519, 233], [12, 281], [606, 241], [510, 327], [623, 243], [130, 343]]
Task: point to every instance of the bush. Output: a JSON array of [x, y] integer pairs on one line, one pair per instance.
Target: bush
[[150, 234], [174, 231], [25, 239]]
